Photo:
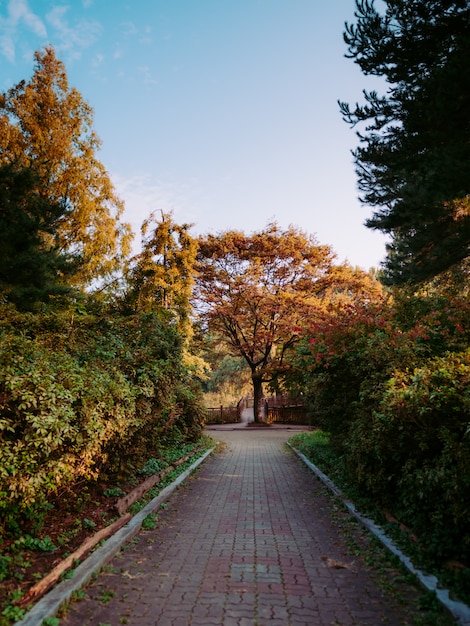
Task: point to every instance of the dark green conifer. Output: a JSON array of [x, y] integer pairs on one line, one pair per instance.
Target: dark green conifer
[[413, 162], [32, 267]]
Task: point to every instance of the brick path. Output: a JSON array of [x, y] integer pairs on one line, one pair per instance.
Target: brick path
[[252, 538]]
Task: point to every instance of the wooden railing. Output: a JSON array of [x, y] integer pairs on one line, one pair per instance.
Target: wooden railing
[[223, 415], [285, 410], [277, 410], [287, 415]]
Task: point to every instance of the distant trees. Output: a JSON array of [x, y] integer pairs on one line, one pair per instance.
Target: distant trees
[[414, 159], [47, 126], [228, 379], [257, 291]]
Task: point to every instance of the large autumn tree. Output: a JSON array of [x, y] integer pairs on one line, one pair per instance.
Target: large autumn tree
[[45, 124], [413, 162], [257, 290]]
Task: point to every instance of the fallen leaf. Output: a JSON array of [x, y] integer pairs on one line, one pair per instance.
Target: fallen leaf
[[127, 574], [334, 564]]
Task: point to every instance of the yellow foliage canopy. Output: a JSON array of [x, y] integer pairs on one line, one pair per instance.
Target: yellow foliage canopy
[[46, 125]]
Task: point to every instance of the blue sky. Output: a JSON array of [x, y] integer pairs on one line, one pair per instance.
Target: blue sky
[[222, 111]]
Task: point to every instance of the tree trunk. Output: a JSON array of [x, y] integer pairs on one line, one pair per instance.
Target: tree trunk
[[257, 397]]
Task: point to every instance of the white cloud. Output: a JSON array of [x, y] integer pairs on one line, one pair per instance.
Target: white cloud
[[97, 60], [146, 38], [143, 196], [7, 45], [129, 29], [130, 35], [19, 11], [72, 39], [18, 14], [146, 73]]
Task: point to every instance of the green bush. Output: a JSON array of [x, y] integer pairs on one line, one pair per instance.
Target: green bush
[[414, 455], [396, 403], [80, 393], [346, 361]]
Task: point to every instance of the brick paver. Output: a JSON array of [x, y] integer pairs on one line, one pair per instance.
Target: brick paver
[[252, 538]]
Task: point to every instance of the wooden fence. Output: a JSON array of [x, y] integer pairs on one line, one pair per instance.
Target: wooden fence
[[285, 410], [223, 415], [277, 410]]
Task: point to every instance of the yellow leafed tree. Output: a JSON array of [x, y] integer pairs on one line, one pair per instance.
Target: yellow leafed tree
[[47, 125]]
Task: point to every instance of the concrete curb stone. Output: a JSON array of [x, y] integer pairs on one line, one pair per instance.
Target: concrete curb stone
[[459, 610], [50, 604]]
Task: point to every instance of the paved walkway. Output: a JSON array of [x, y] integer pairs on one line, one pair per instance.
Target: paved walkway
[[252, 538]]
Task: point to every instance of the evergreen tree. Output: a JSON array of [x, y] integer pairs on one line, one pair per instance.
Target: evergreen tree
[[163, 275], [32, 266], [414, 161]]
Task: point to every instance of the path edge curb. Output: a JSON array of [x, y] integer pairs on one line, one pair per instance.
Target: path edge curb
[[50, 604], [459, 610]]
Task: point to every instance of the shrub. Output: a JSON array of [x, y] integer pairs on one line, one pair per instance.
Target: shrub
[[378, 378], [346, 361], [414, 455], [80, 393]]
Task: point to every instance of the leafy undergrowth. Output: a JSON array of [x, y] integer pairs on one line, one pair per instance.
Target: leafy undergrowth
[[452, 575], [73, 517]]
